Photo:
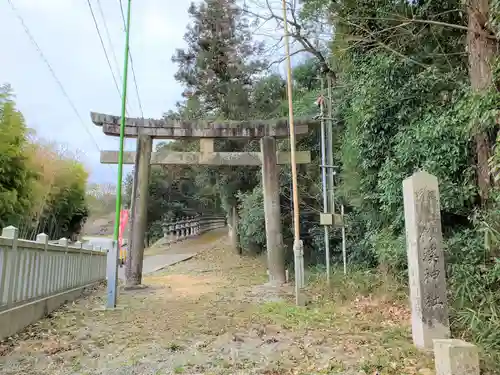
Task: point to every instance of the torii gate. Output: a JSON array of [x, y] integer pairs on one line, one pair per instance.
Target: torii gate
[[147, 129]]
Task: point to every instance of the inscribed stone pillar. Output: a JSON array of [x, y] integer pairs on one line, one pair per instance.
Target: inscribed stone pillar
[[425, 260], [272, 211], [456, 357], [133, 271]]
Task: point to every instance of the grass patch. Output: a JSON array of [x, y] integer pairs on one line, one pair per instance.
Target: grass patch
[[291, 316], [174, 347], [179, 370], [366, 313], [357, 283]]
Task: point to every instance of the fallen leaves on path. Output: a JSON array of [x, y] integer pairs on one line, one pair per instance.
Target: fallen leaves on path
[[213, 315]]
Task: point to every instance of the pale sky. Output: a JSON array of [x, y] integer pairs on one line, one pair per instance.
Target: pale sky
[[65, 32]]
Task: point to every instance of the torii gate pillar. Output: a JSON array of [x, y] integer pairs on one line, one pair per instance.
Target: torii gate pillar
[[133, 270], [272, 211]]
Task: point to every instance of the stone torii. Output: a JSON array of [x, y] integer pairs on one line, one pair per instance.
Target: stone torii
[[147, 129]]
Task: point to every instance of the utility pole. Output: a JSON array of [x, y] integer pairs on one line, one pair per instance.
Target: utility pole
[[114, 252], [298, 247], [324, 181], [329, 147]]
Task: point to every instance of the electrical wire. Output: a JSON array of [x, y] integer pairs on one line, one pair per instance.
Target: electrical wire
[[109, 39], [135, 84], [59, 83], [132, 62], [104, 48]]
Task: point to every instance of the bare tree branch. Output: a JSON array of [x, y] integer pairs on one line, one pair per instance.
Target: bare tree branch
[[296, 32], [430, 22], [279, 61]]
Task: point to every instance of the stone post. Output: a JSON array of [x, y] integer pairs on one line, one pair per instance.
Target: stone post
[[79, 271], [188, 226], [133, 271], [272, 211], [425, 260], [43, 273], [233, 220], [456, 357], [181, 229], [185, 227], [177, 231], [10, 273], [196, 220], [191, 226], [171, 233]]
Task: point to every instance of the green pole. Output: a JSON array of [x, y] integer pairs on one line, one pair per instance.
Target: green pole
[[113, 275]]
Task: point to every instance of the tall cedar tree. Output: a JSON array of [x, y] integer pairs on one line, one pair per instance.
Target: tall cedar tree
[[217, 69], [217, 65]]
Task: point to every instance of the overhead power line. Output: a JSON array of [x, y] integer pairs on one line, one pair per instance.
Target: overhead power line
[[135, 84], [109, 39], [59, 83], [132, 62], [104, 49]]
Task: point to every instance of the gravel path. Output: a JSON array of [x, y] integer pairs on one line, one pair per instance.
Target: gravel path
[[213, 314]]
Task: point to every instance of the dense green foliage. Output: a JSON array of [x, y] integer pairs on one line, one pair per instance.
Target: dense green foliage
[[402, 102], [14, 172], [41, 188]]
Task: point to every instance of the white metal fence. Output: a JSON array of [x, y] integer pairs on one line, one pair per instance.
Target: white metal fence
[[34, 270]]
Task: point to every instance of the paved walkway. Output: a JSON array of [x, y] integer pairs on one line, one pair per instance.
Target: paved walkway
[[164, 255]]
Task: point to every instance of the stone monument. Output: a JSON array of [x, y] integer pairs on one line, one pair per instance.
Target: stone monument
[[426, 269]]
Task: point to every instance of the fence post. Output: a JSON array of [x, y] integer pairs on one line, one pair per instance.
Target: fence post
[[89, 272], [12, 233], [79, 270], [179, 230], [190, 226], [42, 266], [171, 233], [3, 275], [165, 230], [64, 243], [28, 274], [99, 261], [97, 273], [184, 227]]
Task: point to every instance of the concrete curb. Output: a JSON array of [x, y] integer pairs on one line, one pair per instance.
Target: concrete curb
[[17, 318], [187, 257]]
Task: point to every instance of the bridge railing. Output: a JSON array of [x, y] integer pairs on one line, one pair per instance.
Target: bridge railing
[[36, 277], [187, 227]]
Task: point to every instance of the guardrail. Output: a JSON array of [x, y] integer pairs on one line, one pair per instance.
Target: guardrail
[[37, 277], [188, 227]]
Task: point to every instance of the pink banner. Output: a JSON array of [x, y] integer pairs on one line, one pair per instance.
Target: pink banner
[[123, 225]]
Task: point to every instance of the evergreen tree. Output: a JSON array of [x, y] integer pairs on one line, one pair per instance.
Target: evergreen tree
[[217, 70], [218, 65]]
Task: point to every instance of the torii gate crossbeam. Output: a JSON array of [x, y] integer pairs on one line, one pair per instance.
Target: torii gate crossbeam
[[206, 131]]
